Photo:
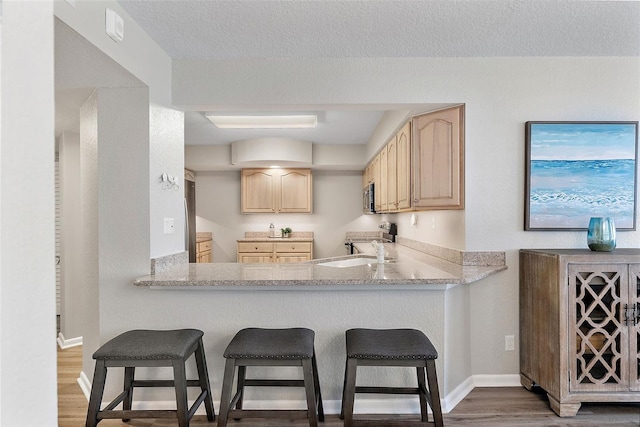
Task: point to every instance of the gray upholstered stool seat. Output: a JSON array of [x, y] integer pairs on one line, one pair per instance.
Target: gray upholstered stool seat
[[256, 343], [392, 347], [139, 348], [270, 347]]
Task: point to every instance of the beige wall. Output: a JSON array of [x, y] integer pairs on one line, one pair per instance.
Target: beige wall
[[336, 210]]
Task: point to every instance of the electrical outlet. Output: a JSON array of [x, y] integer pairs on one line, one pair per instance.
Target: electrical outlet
[[509, 343], [168, 226]]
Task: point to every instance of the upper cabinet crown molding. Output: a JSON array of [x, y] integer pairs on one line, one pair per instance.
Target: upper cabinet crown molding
[[276, 191]]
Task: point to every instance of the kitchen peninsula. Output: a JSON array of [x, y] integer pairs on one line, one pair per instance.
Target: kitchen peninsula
[[419, 286]]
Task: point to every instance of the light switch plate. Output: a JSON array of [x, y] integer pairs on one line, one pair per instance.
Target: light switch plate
[[114, 25]]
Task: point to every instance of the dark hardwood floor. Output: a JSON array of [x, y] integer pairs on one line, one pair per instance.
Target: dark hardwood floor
[[483, 407]]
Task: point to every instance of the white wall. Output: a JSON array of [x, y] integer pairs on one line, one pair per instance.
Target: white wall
[[90, 256], [137, 53], [336, 210], [166, 155], [115, 210], [500, 94], [27, 247], [72, 286]]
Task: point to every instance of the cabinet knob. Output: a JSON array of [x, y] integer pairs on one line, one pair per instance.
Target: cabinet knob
[[256, 248], [293, 247]]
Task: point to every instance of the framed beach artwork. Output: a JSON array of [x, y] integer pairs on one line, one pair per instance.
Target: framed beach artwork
[[579, 170]]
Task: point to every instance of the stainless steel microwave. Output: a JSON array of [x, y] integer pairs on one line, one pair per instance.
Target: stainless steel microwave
[[368, 200]]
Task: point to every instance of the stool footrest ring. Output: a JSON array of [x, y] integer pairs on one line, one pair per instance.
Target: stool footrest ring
[[270, 413], [274, 383], [388, 390], [137, 414], [163, 383]]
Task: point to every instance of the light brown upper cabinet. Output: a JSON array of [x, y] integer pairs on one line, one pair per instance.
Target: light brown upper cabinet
[[403, 167], [380, 187], [422, 166], [276, 190], [438, 159], [392, 199]]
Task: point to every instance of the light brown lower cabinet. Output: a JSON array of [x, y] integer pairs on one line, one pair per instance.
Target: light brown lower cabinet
[[203, 251], [579, 326], [267, 252]]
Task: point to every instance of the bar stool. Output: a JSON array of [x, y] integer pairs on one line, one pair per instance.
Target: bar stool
[[151, 348], [392, 347], [271, 347]]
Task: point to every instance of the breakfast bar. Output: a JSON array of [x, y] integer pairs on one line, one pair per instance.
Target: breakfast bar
[[417, 286]]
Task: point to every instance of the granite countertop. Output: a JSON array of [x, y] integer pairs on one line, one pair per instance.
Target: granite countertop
[[260, 236], [276, 239], [203, 236], [404, 266]]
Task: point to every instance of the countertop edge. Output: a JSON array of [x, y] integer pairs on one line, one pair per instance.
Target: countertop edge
[[417, 271]]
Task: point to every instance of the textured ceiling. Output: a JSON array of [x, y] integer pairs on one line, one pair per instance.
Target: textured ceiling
[[220, 29]]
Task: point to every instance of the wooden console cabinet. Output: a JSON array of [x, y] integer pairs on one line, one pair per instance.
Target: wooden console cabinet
[[579, 332]]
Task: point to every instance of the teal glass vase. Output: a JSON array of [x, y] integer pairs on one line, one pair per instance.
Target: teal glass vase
[[601, 236]]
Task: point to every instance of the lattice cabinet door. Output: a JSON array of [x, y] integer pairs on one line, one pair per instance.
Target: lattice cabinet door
[[633, 318], [598, 333]]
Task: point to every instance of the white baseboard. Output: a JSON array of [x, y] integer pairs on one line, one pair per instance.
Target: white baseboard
[[362, 406], [85, 385], [512, 380], [64, 343], [457, 394]]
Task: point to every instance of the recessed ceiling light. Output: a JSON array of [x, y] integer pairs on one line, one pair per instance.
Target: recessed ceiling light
[[264, 122]]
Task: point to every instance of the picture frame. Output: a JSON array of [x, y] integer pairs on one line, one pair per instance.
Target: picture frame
[[578, 170]]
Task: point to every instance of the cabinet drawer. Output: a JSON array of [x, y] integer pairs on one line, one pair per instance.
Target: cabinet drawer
[[293, 247], [204, 246], [253, 247]]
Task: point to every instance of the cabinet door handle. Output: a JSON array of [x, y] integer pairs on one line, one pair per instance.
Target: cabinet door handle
[[631, 314]]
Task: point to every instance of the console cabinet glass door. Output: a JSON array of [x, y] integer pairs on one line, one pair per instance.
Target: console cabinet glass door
[[599, 295], [634, 335]]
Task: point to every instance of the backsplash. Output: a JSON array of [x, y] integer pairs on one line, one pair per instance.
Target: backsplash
[[168, 262], [265, 234]]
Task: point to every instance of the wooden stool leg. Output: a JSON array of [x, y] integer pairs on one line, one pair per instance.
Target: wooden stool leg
[[129, 374], [242, 370], [344, 389], [97, 389], [180, 382], [422, 392], [433, 392], [203, 378], [349, 391], [227, 386], [310, 390], [316, 381]]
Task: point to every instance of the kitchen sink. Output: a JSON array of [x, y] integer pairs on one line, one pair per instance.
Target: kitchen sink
[[350, 262]]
